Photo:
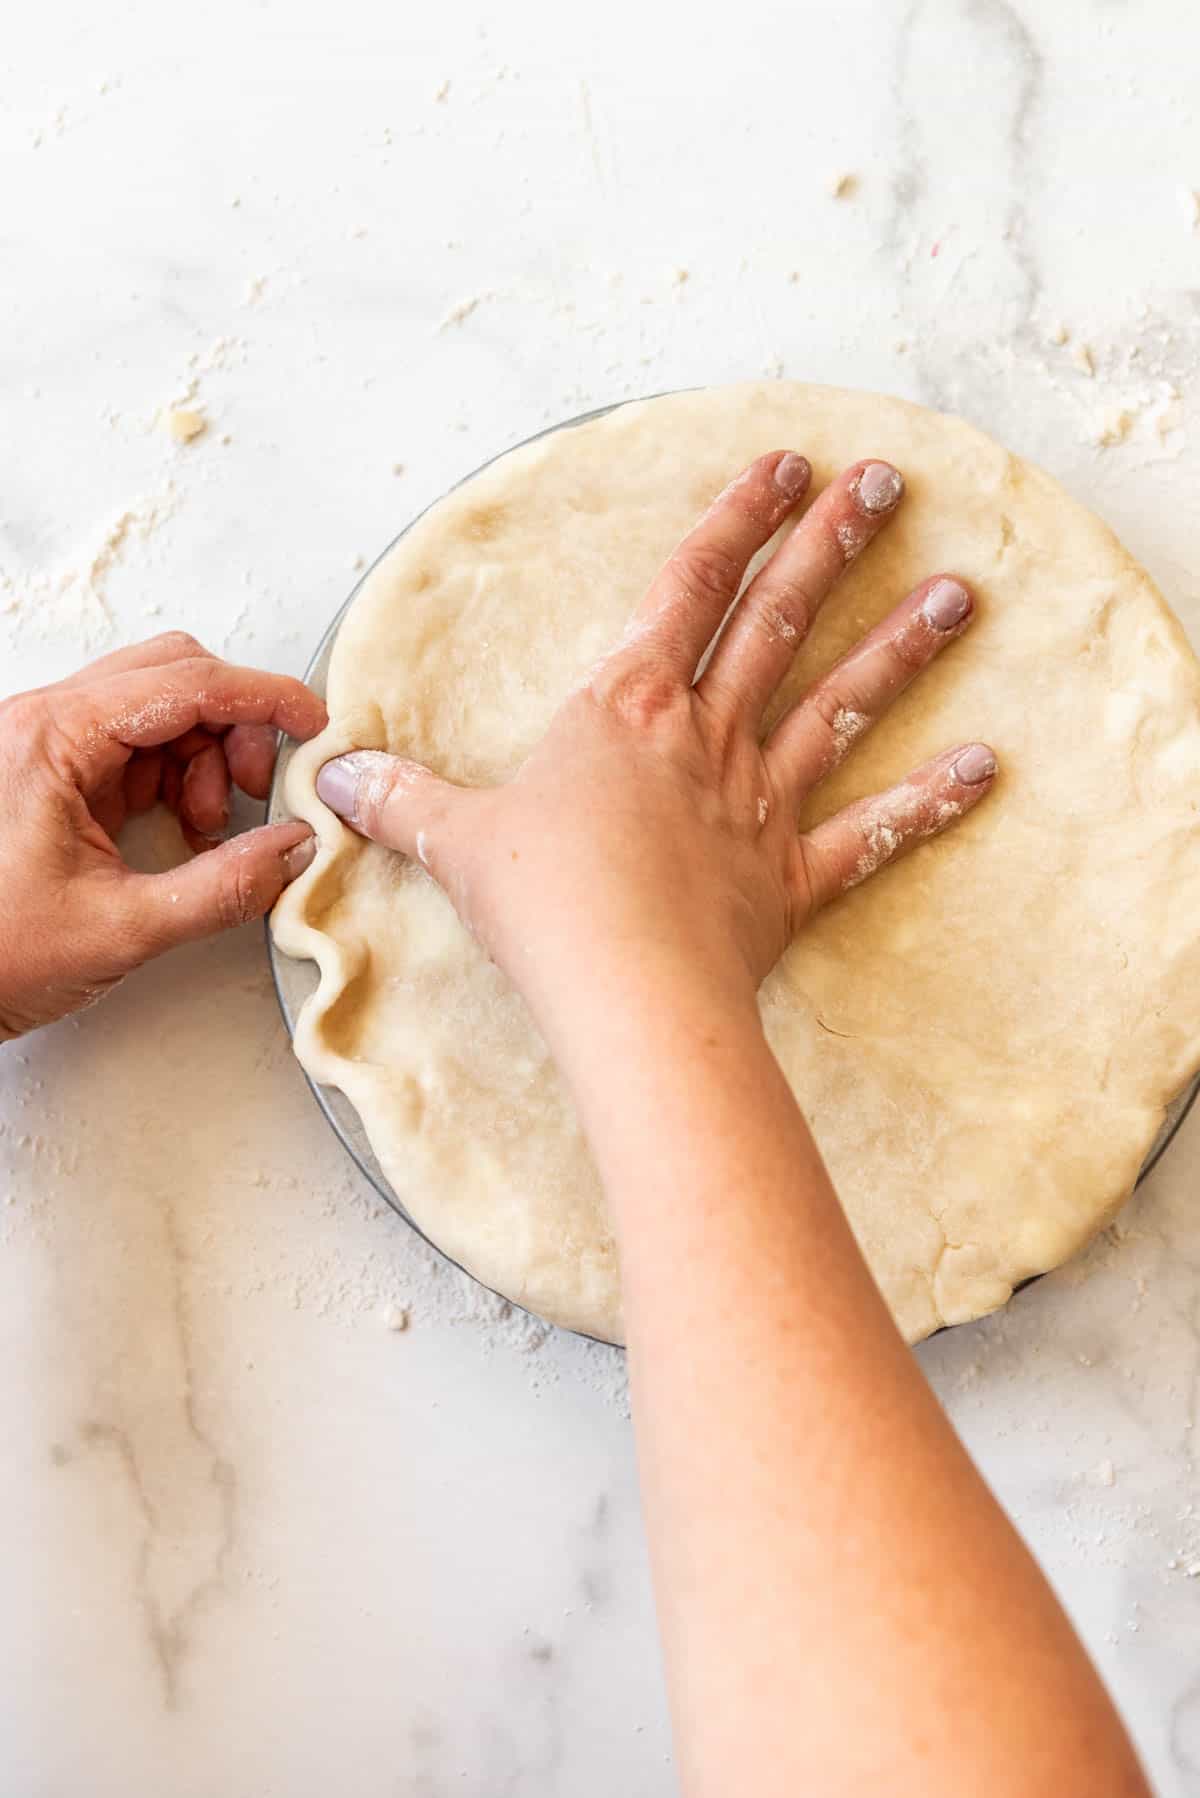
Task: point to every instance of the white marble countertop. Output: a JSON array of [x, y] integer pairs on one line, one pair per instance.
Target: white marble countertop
[[254, 1540]]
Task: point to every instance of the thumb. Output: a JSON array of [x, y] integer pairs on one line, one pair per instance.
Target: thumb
[[231, 884], [387, 798]]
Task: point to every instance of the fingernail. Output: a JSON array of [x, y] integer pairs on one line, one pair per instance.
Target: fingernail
[[337, 786], [878, 487], [974, 765], [792, 474], [945, 605], [298, 857]]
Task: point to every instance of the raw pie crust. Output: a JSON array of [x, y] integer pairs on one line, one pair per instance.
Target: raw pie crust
[[983, 1038]]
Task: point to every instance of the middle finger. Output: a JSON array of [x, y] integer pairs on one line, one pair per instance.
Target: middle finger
[[775, 613], [204, 800], [250, 751]]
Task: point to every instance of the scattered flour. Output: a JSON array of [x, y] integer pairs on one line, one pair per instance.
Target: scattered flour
[[463, 310], [847, 727], [880, 842], [781, 626], [69, 601], [1114, 427]]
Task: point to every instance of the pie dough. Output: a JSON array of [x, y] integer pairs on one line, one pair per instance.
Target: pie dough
[[983, 1038]]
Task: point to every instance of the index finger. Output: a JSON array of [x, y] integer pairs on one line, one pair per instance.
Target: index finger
[[153, 652], [145, 707]]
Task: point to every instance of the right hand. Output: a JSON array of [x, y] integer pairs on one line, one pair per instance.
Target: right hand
[[653, 827], [159, 720]]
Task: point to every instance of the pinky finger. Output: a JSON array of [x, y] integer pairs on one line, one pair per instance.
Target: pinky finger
[[864, 837]]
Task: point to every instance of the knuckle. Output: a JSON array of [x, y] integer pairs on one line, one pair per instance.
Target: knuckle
[[881, 837], [940, 806], [178, 643], [23, 713], [384, 789], [909, 650], [851, 532], [238, 892], [843, 714], [784, 615], [647, 700], [640, 695], [381, 787], [706, 572]]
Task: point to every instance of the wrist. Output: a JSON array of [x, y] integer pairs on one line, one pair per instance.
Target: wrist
[[607, 1015]]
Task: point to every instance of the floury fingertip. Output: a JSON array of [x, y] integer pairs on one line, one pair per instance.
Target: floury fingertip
[[299, 857], [878, 488], [946, 604], [792, 474]]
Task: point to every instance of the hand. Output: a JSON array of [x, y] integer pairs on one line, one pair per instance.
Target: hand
[[161, 720], [653, 824], [637, 878]]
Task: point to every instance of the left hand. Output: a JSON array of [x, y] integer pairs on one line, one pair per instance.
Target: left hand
[[653, 832], [163, 719]]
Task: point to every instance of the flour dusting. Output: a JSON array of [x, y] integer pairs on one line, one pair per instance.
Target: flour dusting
[[69, 600], [847, 726]]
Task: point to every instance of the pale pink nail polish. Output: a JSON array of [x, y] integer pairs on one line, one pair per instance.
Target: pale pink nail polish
[[337, 786], [945, 605], [878, 488], [792, 474], [974, 765]]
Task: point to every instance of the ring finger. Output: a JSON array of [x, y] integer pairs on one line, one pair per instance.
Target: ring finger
[[204, 798], [813, 737]]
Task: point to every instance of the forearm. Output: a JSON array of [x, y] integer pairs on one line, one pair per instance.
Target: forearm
[[802, 1486], [844, 1606]]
